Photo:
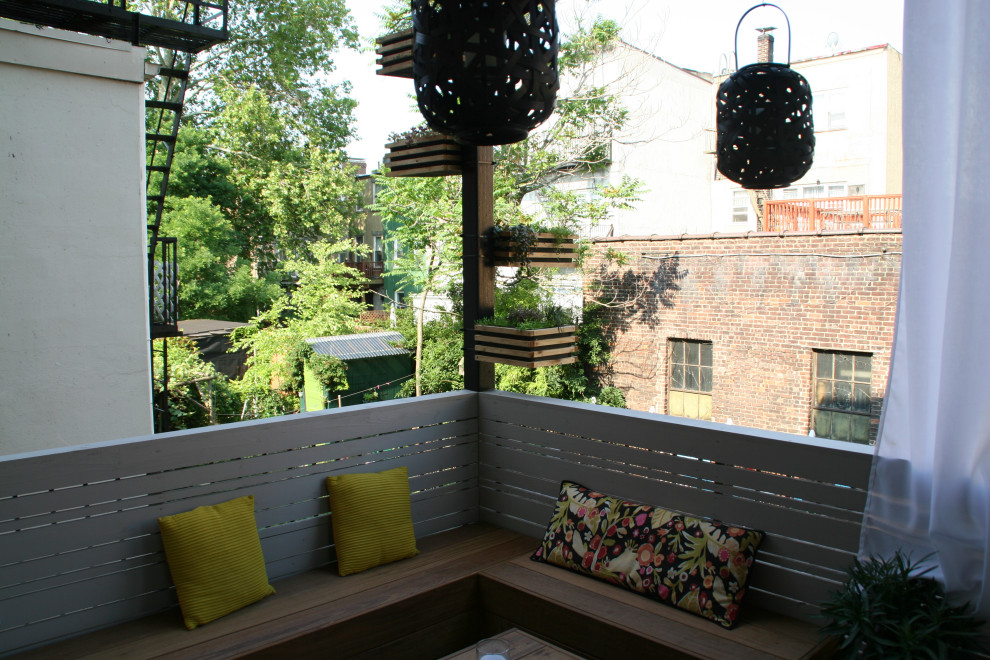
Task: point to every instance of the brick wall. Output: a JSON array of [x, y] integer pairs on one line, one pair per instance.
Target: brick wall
[[765, 301]]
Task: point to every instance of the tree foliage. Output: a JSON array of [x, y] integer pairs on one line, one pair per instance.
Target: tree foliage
[[258, 173], [279, 47], [198, 394], [323, 302], [424, 216]]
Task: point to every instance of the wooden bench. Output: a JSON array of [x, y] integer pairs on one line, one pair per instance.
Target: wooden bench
[[466, 584], [82, 571]]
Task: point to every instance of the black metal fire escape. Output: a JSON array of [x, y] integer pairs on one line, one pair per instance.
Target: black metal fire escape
[[201, 25]]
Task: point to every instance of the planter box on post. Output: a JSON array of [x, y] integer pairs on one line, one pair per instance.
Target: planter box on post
[[395, 54], [424, 155], [547, 251], [526, 348]]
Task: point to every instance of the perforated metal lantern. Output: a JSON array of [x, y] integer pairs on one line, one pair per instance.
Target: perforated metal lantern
[[485, 72], [766, 136]]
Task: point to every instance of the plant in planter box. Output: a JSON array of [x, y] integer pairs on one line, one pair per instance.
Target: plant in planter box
[[422, 151], [532, 246], [395, 48], [889, 609], [527, 329]]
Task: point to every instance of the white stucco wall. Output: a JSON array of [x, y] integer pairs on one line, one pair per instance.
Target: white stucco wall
[[663, 144], [74, 349]]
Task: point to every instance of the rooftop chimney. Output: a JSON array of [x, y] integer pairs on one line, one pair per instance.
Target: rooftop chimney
[[764, 44]]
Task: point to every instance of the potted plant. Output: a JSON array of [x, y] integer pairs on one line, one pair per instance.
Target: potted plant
[[527, 330], [422, 152], [395, 49], [534, 246], [888, 608]]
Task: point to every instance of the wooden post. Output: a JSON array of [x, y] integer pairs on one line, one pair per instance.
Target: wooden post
[[477, 210]]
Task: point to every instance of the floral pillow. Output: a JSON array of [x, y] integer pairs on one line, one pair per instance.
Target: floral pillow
[[578, 529], [697, 565]]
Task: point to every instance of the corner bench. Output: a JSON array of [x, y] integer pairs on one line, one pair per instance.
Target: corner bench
[[467, 583], [83, 571]]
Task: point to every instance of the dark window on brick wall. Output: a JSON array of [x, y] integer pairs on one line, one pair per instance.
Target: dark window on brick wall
[[841, 398], [690, 379]]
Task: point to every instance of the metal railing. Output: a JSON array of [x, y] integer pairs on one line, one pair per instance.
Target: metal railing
[[163, 283], [190, 26], [833, 213]]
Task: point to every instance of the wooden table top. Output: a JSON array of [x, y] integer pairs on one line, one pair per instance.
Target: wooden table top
[[521, 645]]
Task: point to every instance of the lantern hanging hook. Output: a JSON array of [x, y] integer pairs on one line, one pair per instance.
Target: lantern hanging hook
[[735, 43]]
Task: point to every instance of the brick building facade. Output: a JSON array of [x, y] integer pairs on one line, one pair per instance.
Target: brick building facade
[[771, 314]]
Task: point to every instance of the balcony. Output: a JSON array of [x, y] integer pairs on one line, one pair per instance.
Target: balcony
[[833, 213], [81, 548], [163, 282], [370, 269], [197, 25]]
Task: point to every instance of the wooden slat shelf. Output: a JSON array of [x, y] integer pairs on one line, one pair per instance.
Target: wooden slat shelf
[[526, 348], [549, 251], [395, 52], [426, 155]]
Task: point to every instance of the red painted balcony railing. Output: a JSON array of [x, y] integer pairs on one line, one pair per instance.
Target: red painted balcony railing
[[833, 213]]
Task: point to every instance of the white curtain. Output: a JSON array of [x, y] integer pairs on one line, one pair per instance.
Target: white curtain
[[931, 481]]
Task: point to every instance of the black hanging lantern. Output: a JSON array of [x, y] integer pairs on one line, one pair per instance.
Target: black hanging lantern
[[766, 137], [485, 70]]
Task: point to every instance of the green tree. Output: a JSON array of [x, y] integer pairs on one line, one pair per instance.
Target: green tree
[[425, 216], [289, 194], [215, 281], [198, 394], [325, 301], [261, 143], [280, 47], [442, 352]]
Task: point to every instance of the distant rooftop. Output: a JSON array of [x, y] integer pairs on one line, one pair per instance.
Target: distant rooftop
[[357, 347], [205, 327]]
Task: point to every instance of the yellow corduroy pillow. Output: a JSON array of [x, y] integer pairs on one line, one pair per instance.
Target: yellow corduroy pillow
[[371, 519], [214, 555]]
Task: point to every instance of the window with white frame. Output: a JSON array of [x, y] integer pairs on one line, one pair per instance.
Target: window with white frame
[[815, 191], [830, 110], [740, 206], [378, 255]]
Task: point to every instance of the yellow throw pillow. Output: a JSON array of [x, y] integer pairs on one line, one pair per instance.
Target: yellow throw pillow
[[214, 555], [371, 518]]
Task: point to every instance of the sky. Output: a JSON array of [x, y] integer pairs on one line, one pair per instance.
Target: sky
[[694, 34]]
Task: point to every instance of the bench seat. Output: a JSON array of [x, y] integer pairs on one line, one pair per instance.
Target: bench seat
[[468, 583], [593, 618]]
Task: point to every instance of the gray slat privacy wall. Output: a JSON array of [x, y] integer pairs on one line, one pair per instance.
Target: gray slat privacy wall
[[79, 543], [807, 494]]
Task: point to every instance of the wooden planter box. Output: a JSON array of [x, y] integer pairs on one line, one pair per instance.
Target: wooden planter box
[[550, 251], [426, 155], [395, 54], [525, 348]]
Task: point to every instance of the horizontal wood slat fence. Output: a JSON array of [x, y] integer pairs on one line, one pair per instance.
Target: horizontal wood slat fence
[[80, 550]]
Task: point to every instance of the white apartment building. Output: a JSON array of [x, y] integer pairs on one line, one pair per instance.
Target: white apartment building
[[668, 141], [856, 105]]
